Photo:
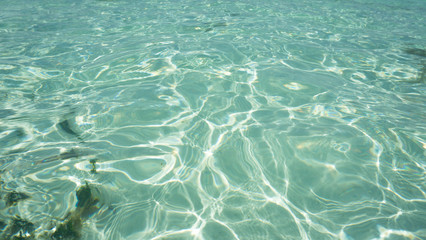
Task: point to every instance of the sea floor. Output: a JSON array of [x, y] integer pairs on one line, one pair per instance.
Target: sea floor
[[212, 119]]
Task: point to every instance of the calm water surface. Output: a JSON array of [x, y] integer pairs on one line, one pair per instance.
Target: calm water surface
[[277, 119]]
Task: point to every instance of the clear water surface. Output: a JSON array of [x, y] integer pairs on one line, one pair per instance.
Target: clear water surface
[[277, 119]]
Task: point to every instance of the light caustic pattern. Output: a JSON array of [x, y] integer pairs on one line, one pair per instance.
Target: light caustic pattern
[[228, 126]]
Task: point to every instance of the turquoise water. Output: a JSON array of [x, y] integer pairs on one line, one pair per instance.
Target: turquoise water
[[271, 119]]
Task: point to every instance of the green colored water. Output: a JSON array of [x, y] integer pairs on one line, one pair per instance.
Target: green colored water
[[212, 119]]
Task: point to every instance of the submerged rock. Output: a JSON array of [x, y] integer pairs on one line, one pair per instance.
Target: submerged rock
[[416, 51], [13, 197], [85, 197], [73, 153], [421, 76], [67, 127], [70, 229], [18, 228]]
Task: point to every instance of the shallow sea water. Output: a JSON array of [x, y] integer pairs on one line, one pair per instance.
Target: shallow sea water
[[271, 119]]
